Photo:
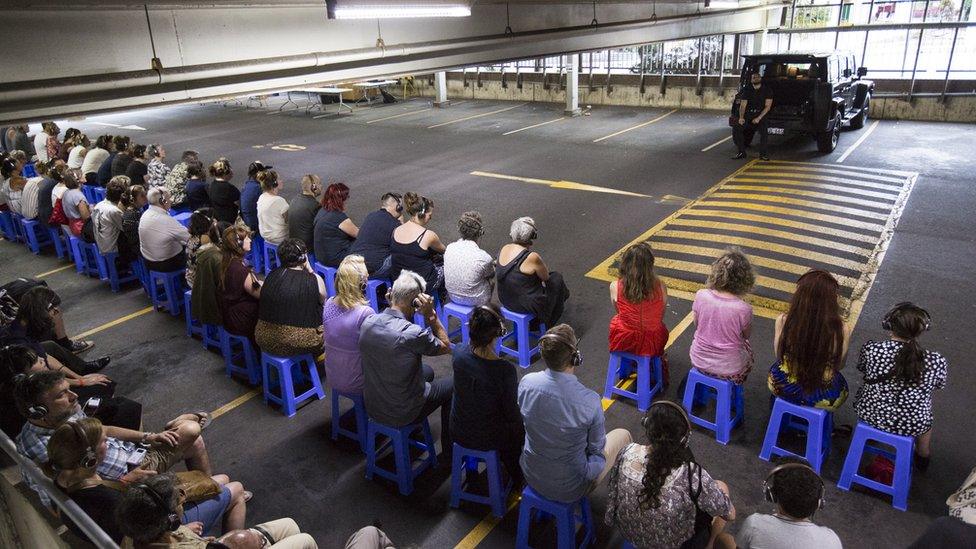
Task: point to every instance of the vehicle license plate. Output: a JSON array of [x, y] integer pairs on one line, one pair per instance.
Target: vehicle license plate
[[777, 131]]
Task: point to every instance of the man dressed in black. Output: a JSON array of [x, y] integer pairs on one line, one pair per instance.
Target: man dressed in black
[[754, 103]]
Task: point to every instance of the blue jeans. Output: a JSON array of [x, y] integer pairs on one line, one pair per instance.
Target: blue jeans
[[209, 511]]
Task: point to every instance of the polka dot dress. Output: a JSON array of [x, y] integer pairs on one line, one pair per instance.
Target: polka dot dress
[[893, 405]]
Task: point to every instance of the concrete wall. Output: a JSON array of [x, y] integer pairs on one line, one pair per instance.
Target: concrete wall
[[22, 526], [680, 92]]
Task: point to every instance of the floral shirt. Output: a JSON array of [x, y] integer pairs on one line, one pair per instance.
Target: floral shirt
[[673, 521], [176, 183], [156, 176]]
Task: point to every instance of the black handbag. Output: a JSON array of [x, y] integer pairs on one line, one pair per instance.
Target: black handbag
[[703, 521]]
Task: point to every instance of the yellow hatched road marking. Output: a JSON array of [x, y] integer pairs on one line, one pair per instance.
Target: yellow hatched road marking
[[847, 235], [703, 269], [764, 245], [822, 242], [812, 194], [798, 176], [805, 203], [827, 186], [884, 181], [775, 264], [764, 307], [473, 116], [649, 122], [792, 211], [52, 271], [847, 169]]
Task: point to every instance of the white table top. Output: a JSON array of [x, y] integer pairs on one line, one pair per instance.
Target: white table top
[[324, 90], [374, 84]]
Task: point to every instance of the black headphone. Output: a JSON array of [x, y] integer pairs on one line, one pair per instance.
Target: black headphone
[[577, 357], [172, 519], [771, 479], [684, 414], [399, 201], [423, 207], [421, 282], [535, 232], [502, 329], [903, 306], [90, 459], [35, 411]]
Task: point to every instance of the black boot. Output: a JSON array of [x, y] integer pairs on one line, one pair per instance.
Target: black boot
[[95, 365]]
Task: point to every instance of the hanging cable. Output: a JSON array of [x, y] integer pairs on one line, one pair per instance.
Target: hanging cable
[[654, 13], [379, 36], [508, 21], [594, 23], [155, 64]]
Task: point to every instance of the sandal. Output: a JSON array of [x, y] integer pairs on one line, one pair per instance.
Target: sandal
[[204, 419]]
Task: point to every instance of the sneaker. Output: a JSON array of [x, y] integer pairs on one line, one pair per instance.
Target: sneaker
[[78, 347], [96, 365], [738, 155], [764, 156]]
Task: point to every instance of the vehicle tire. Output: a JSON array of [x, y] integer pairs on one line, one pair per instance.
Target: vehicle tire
[[827, 141], [861, 119]]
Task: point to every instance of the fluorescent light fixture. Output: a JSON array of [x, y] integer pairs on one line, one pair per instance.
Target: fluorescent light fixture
[[360, 11], [721, 4]]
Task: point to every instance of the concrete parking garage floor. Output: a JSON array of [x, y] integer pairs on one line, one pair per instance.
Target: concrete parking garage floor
[[593, 183]]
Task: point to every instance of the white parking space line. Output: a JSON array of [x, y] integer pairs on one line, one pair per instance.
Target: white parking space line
[[716, 144], [857, 143], [614, 134], [535, 125]]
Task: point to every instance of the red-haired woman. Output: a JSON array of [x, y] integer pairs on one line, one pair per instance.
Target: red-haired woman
[[811, 342], [334, 231]]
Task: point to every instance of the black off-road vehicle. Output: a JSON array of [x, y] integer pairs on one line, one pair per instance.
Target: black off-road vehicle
[[813, 94]]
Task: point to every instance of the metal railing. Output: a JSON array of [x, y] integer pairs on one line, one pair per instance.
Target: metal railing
[[97, 536]]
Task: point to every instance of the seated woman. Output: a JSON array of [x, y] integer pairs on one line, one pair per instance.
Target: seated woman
[[811, 343], [137, 170], [333, 231], [656, 490], [224, 196], [162, 239], [469, 271], [239, 289], [203, 234], [132, 203], [723, 320], [640, 300], [272, 208], [290, 309], [485, 412], [12, 182], [39, 316], [74, 452], [414, 247], [342, 316], [196, 188], [899, 379], [74, 203], [525, 283], [205, 296]]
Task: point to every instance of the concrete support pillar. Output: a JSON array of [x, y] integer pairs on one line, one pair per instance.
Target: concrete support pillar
[[440, 84], [572, 85]]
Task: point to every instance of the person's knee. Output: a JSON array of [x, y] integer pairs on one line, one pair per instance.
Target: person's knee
[[236, 491], [722, 486], [221, 479]]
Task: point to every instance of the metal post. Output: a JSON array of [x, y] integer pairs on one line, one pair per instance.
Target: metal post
[[643, 54], [663, 81], [840, 15], [952, 51], [721, 66], [918, 50], [609, 65], [864, 50], [590, 72], [698, 66], [440, 86], [572, 86], [789, 37]]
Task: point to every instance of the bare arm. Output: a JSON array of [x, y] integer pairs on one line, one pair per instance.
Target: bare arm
[[778, 333], [742, 109], [252, 286], [350, 228], [766, 106], [847, 341], [430, 314], [613, 293], [664, 297], [84, 210], [434, 242], [534, 262]]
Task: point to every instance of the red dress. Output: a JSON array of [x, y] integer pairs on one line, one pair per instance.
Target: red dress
[[637, 327]]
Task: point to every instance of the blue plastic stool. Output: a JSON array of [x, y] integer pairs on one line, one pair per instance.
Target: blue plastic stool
[[466, 460], [141, 272], [61, 247], [193, 326], [271, 261], [566, 516], [622, 365], [7, 226], [182, 217], [36, 235], [89, 196], [729, 406], [288, 400], [107, 270], [29, 170], [524, 350], [85, 256], [166, 297], [902, 456], [815, 422], [18, 222], [328, 274], [463, 314], [256, 255], [373, 287], [98, 194], [401, 442], [358, 410], [228, 348]]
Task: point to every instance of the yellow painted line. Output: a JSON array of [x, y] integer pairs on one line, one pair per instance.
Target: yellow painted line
[[891, 189], [805, 203], [571, 185], [675, 333], [857, 143], [649, 122], [786, 235], [704, 269], [792, 211], [811, 194], [52, 271], [716, 144], [758, 260], [483, 528], [535, 125], [891, 195], [235, 403], [399, 115], [115, 322], [848, 169], [840, 233], [473, 116], [766, 246]]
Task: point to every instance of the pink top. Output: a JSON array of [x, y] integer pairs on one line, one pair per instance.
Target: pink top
[[719, 347]]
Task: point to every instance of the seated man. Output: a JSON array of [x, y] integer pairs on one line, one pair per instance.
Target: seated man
[[47, 402], [399, 389], [798, 491], [162, 238], [375, 234], [567, 450]]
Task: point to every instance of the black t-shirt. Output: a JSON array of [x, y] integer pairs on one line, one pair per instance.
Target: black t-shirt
[[485, 407], [44, 204], [291, 297], [756, 99], [120, 164], [224, 197], [99, 503], [301, 221], [137, 172], [331, 243], [373, 241], [196, 195]]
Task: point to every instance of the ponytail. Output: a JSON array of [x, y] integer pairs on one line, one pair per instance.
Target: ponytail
[[910, 362]]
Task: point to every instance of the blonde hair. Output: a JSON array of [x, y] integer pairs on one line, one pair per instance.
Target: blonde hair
[[349, 280], [732, 273], [268, 180], [65, 450]]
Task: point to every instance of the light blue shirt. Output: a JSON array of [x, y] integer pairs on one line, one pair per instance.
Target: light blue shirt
[[564, 435]]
